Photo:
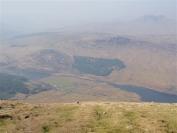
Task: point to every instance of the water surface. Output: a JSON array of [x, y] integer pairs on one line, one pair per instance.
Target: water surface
[[146, 94]]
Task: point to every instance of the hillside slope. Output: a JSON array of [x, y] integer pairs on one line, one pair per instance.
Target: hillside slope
[[46, 60], [96, 117], [10, 85], [150, 60]]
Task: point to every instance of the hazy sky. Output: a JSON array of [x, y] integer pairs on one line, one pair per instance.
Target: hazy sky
[[90, 9], [87, 10]]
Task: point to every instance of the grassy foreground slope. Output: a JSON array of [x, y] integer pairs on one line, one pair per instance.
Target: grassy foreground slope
[[96, 117]]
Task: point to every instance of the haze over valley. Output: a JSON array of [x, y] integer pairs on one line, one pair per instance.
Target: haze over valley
[[81, 54]]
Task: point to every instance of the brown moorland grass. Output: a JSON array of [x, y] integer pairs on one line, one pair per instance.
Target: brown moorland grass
[[96, 117], [150, 60]]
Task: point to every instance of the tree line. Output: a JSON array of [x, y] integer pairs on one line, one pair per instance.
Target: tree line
[[96, 66]]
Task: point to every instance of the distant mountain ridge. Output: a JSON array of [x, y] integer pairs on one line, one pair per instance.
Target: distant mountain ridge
[[153, 18], [148, 24]]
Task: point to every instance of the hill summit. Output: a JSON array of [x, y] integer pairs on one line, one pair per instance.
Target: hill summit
[[153, 18], [96, 117]]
